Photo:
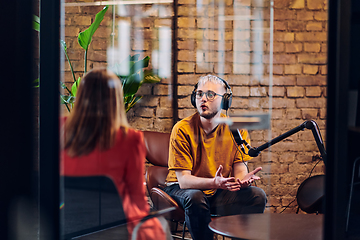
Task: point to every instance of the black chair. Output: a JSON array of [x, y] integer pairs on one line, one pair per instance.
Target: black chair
[[355, 181], [92, 204], [310, 194]]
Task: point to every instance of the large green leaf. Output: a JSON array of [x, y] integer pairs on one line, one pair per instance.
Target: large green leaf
[[85, 37], [65, 99], [140, 64], [132, 83]]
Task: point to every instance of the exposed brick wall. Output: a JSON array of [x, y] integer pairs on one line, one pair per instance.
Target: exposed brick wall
[[211, 40]]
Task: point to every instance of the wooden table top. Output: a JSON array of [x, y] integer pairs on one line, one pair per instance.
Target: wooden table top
[[273, 226]]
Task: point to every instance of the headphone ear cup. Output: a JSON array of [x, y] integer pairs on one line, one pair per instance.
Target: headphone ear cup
[[226, 101], [193, 99]]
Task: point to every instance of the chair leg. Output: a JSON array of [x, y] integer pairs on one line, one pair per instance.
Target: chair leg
[[350, 197], [183, 233]]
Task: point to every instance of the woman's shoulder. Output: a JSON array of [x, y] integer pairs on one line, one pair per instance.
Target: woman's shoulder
[[131, 135]]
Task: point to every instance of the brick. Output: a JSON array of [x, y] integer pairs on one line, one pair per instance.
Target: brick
[[220, 68], [312, 47], [185, 90], [186, 44], [311, 36], [186, 55], [163, 125], [186, 22], [277, 114], [280, 25], [238, 80], [148, 101], [164, 112], [161, 22], [283, 103], [311, 103], [321, 16], [312, 58], [278, 91], [97, 56], [284, 80], [310, 69], [324, 47], [145, 112], [241, 103], [281, 14], [186, 67], [72, 31], [145, 89], [284, 37], [293, 114], [311, 81], [241, 68], [204, 68], [314, 26], [304, 15], [183, 113], [309, 114], [160, 89], [165, 102], [277, 69], [241, 57], [190, 79], [281, 59], [295, 92], [293, 47], [292, 69], [322, 113], [313, 91], [297, 4], [323, 70], [258, 92], [184, 34], [278, 47], [296, 25], [314, 4], [142, 123], [241, 91], [184, 102]]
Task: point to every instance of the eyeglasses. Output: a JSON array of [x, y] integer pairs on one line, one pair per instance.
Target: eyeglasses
[[210, 95]]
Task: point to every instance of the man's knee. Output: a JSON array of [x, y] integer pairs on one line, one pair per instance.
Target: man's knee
[[259, 196], [196, 199]]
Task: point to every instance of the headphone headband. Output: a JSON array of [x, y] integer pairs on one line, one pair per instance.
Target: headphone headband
[[226, 99]]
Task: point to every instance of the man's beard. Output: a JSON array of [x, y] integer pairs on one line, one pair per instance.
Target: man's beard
[[209, 115]]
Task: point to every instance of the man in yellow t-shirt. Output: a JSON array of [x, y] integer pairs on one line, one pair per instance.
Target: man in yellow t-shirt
[[207, 173]]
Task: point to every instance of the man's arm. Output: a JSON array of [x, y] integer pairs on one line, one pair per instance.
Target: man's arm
[[186, 180]]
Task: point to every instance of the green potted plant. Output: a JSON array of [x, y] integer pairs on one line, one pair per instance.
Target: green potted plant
[[138, 74]]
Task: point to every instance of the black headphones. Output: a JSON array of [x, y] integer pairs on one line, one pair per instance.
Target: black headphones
[[226, 98]]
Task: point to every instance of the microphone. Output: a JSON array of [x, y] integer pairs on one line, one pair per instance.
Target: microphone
[[240, 141]]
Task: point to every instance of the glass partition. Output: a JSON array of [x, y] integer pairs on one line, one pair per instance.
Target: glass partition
[[159, 49]]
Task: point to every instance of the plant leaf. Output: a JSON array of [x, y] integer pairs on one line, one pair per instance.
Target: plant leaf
[[85, 37], [36, 83], [132, 102], [132, 83], [66, 99], [36, 23], [140, 64], [150, 77], [75, 87], [63, 44]]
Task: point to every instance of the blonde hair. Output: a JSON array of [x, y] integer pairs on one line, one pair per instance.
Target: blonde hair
[[211, 78], [98, 114]]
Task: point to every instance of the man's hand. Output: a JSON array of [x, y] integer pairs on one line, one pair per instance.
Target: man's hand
[[225, 183], [249, 178]]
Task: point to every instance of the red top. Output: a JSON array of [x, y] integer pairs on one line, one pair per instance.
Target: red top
[[124, 164]]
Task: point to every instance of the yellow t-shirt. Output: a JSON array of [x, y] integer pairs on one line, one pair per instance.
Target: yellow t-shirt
[[192, 149]]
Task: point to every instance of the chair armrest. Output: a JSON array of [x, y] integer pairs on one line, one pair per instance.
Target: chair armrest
[[151, 215], [162, 200]]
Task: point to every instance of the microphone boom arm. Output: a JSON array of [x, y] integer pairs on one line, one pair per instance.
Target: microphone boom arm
[[254, 152]]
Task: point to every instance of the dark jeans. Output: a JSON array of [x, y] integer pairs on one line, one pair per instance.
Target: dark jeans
[[199, 207]]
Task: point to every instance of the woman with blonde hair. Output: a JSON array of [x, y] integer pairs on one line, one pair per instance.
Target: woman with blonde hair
[[98, 141]]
